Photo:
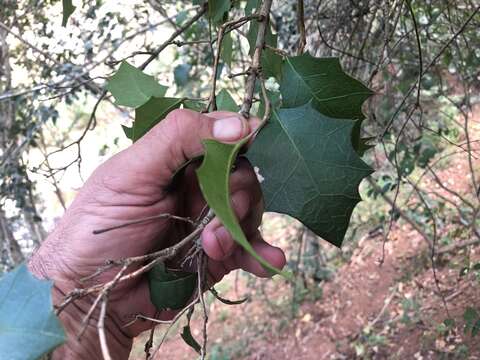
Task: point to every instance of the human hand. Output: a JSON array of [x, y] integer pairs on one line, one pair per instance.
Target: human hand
[[135, 184]]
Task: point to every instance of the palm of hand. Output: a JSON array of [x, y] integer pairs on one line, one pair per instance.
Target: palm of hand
[[136, 184]]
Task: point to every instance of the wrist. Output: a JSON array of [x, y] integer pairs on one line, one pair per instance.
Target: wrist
[[72, 316], [88, 346]]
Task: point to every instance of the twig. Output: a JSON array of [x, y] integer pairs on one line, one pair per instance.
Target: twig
[[102, 295], [427, 68], [457, 246], [228, 26], [144, 220], [202, 273], [143, 317], [277, 50], [341, 51], [255, 67], [149, 343], [302, 41], [154, 259], [172, 37], [101, 330], [402, 214], [419, 46], [174, 321], [387, 302]]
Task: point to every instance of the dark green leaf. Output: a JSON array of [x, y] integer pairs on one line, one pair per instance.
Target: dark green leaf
[[217, 9], [28, 325], [189, 339], [226, 301], [226, 102], [170, 289], [310, 169], [68, 10], [363, 144], [128, 132], [150, 114], [132, 87], [213, 176], [323, 82]]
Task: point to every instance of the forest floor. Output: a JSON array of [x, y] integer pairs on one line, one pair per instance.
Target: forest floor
[[366, 310]]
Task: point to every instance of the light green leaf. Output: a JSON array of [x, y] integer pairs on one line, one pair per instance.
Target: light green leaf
[[131, 87], [225, 101], [68, 10], [150, 114], [217, 9], [310, 170], [170, 289], [227, 48], [28, 325], [323, 82], [213, 176]]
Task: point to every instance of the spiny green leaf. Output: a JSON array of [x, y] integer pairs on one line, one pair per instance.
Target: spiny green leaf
[[226, 102], [217, 9], [68, 10], [213, 176], [131, 87], [170, 289], [150, 114], [323, 82], [310, 169], [28, 325], [363, 145]]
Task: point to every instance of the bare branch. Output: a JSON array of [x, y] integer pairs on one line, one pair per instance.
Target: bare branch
[[302, 41], [255, 67]]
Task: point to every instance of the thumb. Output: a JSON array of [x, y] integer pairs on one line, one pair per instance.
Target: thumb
[[178, 138]]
